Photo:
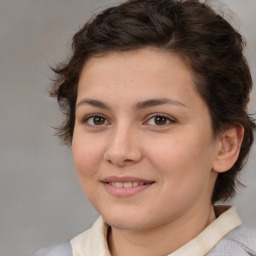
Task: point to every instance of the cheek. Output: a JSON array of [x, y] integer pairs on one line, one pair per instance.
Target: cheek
[[86, 156], [185, 171], [183, 157], [171, 152]]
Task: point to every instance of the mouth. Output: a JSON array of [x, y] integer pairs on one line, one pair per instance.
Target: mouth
[[125, 186]]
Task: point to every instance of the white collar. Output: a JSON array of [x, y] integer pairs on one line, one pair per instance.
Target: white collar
[[94, 240]]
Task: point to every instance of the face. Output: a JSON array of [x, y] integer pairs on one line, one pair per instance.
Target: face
[[142, 144]]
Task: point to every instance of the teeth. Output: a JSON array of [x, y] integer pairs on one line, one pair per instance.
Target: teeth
[[126, 184], [119, 184]]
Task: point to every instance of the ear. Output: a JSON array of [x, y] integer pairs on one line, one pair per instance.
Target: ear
[[228, 147]]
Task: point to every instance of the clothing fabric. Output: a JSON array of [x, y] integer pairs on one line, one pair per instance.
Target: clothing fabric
[[64, 249], [225, 236]]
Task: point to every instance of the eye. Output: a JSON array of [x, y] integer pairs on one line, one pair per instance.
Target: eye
[[160, 120], [95, 120]]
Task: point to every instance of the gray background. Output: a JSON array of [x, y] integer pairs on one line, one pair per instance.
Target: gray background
[[41, 202]]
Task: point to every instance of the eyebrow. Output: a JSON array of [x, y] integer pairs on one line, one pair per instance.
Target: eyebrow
[[140, 105], [156, 102], [94, 103]]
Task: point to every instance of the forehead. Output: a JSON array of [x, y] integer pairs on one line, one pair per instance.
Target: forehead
[[122, 79], [143, 68]]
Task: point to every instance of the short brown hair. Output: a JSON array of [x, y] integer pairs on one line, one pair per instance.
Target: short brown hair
[[202, 38]]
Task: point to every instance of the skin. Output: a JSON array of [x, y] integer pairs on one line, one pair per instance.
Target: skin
[[179, 153]]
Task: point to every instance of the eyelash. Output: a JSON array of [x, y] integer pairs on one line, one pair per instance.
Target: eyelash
[[85, 120], [167, 119]]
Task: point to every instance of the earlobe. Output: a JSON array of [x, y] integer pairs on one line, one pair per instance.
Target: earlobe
[[229, 142]]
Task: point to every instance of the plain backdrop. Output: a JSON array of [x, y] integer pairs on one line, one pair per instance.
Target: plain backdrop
[[41, 202]]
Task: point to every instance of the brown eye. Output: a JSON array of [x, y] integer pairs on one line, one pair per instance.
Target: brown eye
[[160, 120], [95, 120], [98, 120]]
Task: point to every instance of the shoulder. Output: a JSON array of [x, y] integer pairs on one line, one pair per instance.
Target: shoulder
[[63, 249], [239, 242], [88, 241]]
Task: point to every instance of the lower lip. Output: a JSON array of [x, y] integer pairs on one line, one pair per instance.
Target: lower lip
[[125, 192]]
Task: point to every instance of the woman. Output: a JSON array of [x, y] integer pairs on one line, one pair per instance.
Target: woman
[[155, 96]]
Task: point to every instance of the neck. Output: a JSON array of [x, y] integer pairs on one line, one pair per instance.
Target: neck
[[162, 239]]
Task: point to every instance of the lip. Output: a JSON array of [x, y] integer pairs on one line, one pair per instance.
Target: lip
[[125, 191]]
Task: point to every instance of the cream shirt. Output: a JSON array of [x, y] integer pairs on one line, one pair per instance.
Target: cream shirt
[[94, 240]]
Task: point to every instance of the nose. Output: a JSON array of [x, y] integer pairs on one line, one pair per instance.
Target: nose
[[123, 147]]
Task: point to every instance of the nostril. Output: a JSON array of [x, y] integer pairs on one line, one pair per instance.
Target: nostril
[[127, 160]]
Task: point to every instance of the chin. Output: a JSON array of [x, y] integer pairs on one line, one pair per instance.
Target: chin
[[125, 220]]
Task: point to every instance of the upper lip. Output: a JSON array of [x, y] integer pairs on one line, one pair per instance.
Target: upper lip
[[125, 179]]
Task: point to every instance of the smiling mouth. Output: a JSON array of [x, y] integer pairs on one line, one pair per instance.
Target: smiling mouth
[[126, 186]]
